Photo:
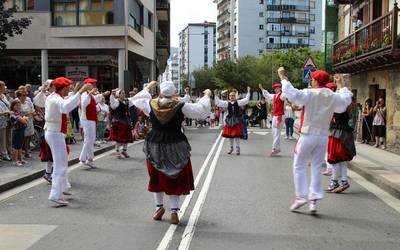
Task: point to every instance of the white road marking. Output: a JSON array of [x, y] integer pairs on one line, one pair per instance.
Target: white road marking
[[18, 237], [10, 193], [171, 230], [191, 226], [378, 192]]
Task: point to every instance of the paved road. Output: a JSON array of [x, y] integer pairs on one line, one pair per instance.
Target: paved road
[[240, 203]]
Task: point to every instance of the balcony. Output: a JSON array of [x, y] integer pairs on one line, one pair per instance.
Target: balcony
[[288, 20], [163, 9], [222, 3], [225, 25], [162, 39], [374, 45], [224, 37], [285, 45], [286, 7], [223, 49], [223, 14]]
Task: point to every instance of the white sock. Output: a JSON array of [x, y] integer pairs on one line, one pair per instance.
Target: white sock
[[174, 201], [49, 167], [237, 140], [159, 199], [344, 171]]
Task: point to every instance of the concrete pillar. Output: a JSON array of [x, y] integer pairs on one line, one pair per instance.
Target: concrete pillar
[[44, 65], [121, 68]]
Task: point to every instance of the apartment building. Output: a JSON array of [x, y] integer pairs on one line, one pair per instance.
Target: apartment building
[[172, 69], [368, 54], [197, 48], [252, 27], [86, 38]]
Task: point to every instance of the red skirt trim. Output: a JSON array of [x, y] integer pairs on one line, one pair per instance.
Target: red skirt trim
[[121, 133], [337, 151], [179, 186], [236, 131]]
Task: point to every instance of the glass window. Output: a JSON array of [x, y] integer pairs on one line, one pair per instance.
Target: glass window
[[261, 27], [312, 4], [108, 5], [30, 4], [150, 20], [97, 5], [64, 18], [84, 5], [312, 17], [92, 18], [261, 14]]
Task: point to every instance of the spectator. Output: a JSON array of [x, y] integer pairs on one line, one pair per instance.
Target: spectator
[[28, 111], [289, 120], [262, 106], [29, 91], [379, 124], [140, 130], [367, 116], [19, 124], [102, 118], [4, 122]]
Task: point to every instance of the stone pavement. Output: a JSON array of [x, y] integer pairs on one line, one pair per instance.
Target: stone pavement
[[12, 176]]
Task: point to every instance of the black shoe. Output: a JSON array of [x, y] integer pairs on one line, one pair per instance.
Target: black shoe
[[6, 158]]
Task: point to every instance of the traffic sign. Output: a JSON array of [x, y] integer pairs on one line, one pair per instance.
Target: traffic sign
[[308, 68], [309, 63]]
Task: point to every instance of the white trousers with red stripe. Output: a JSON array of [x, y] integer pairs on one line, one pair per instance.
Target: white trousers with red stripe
[[276, 134], [309, 148], [60, 183], [89, 131]]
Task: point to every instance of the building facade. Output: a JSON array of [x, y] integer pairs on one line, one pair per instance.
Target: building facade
[[197, 49], [172, 70], [86, 38], [252, 27], [367, 53]]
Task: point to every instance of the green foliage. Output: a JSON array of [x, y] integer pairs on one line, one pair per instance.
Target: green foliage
[[10, 26], [250, 71]]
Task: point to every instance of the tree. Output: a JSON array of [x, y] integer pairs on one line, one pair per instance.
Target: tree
[[10, 26], [205, 78]]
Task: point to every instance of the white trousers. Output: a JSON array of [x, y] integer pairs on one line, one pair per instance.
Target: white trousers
[[89, 130], [60, 183], [339, 169], [276, 134], [309, 148]]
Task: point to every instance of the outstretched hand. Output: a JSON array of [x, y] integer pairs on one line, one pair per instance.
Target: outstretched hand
[[152, 84], [282, 73], [260, 86], [248, 89], [207, 92]]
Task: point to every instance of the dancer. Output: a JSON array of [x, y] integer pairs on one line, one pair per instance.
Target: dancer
[[121, 129], [341, 148], [55, 128], [88, 117], [233, 128], [278, 113], [166, 147], [319, 104]]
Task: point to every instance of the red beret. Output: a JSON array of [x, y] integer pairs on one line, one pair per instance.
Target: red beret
[[277, 85], [331, 86], [321, 77], [90, 81], [61, 82]]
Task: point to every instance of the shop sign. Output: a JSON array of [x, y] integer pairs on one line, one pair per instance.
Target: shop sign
[[77, 72], [89, 60]]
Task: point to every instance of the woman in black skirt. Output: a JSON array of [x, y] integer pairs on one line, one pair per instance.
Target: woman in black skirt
[[367, 116]]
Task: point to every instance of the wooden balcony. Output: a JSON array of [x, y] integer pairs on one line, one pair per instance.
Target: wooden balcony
[[372, 46]]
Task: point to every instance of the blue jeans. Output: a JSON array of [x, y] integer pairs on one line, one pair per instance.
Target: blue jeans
[[289, 122]]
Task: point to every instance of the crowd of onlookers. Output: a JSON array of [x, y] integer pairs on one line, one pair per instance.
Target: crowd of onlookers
[[21, 119]]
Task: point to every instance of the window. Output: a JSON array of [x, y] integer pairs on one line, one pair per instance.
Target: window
[[312, 30], [82, 12], [260, 52], [150, 20], [24, 5], [312, 4], [261, 39], [261, 14], [261, 27], [261, 1], [235, 29], [271, 40], [312, 17]]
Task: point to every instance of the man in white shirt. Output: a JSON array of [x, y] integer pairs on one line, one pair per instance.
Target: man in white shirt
[[319, 103]]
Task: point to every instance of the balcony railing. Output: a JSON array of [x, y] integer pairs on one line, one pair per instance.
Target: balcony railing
[[223, 13], [222, 3], [285, 45], [288, 33], [286, 7], [162, 39], [288, 20], [381, 35], [225, 48], [224, 25], [162, 4], [223, 37]]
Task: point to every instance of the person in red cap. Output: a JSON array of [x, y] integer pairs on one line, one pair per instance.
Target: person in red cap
[[341, 147], [278, 113], [88, 120], [55, 128], [319, 103]]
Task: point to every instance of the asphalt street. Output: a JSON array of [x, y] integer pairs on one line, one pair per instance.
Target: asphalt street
[[241, 202]]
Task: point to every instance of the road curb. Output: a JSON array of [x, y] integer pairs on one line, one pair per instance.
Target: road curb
[[388, 186], [38, 174]]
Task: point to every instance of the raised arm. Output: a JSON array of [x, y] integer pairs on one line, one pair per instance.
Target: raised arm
[[245, 101], [40, 99], [143, 98], [343, 100], [114, 102], [220, 103], [198, 110], [67, 105]]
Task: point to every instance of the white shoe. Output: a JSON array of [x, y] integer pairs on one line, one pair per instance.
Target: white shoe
[[298, 203], [90, 164], [286, 137], [313, 207], [291, 138]]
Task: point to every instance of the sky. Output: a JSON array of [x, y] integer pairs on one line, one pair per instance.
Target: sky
[[190, 11]]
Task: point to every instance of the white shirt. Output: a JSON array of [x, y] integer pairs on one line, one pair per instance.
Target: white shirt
[[289, 112], [85, 101], [224, 104]]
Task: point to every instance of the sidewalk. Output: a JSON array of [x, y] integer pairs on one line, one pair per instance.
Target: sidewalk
[[12, 176], [376, 165]]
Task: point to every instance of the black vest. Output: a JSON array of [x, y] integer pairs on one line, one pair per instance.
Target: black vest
[[233, 109], [121, 113]]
